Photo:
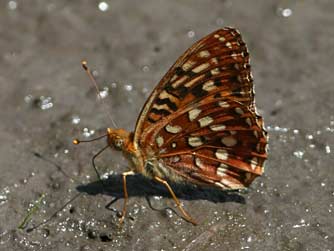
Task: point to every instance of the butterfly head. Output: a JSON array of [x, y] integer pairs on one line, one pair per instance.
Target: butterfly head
[[119, 139]]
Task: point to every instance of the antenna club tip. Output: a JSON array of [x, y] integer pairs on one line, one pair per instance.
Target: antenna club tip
[[84, 64], [76, 142]]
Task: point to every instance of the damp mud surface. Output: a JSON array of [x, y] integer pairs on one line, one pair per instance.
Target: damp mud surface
[[46, 100]]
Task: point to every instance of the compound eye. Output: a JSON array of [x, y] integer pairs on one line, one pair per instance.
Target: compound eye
[[118, 143]]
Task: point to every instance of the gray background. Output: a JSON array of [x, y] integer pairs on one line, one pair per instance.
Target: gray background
[[130, 46]]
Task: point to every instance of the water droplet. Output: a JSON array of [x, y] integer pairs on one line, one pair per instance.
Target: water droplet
[[12, 5], [87, 133], [45, 103], [75, 119], [28, 99], [104, 93], [128, 87], [285, 12], [328, 149], [114, 85], [295, 131], [66, 151], [103, 6], [299, 154], [191, 34], [309, 136], [145, 68]]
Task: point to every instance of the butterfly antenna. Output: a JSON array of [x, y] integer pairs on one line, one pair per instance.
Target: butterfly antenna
[[91, 77]]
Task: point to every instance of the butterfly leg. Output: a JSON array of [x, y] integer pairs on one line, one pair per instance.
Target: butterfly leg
[[124, 175], [178, 203]]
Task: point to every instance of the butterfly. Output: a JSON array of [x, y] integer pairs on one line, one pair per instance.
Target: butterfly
[[200, 124]]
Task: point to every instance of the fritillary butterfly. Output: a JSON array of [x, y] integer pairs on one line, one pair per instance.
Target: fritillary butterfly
[[199, 124]]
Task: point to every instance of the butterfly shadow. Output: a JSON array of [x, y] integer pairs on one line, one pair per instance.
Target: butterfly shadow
[[140, 186]]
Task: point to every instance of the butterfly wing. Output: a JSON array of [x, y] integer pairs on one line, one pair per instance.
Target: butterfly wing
[[215, 69]]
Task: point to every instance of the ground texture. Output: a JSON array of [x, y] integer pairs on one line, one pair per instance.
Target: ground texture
[[44, 94]]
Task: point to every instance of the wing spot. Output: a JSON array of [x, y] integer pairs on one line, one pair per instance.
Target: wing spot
[[229, 141], [214, 61], [216, 36], [209, 86], [195, 141], [234, 55], [215, 71], [228, 45], [221, 170], [199, 163], [204, 54], [221, 154], [222, 39], [187, 65], [256, 134], [195, 80], [223, 104], [160, 141], [220, 185], [217, 128], [239, 110], [175, 159], [193, 114], [173, 145], [248, 121], [254, 163], [179, 81], [205, 121], [173, 129], [200, 67]]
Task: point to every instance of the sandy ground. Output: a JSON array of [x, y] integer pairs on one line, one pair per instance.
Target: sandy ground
[[130, 46]]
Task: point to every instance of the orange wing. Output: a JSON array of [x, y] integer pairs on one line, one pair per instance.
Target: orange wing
[[203, 111]]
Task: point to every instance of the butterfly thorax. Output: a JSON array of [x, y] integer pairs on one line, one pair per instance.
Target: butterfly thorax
[[122, 140]]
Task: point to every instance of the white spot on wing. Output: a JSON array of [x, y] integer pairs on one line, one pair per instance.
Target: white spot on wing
[[239, 110], [221, 154], [173, 145], [193, 114], [222, 39], [204, 54], [187, 65], [215, 71], [218, 127], [248, 121], [254, 163], [221, 170], [198, 162], [205, 121], [223, 104], [209, 85], [200, 67], [228, 45], [160, 141], [195, 141], [173, 129], [234, 56]]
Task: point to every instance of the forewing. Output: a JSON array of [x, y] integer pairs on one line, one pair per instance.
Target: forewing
[[217, 64]]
